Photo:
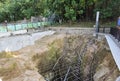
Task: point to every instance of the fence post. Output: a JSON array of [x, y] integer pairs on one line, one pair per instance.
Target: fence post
[[6, 25], [97, 20], [15, 27], [103, 29], [118, 34]]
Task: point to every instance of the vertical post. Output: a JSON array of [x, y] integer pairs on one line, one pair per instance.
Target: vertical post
[[6, 25], [97, 22], [15, 26], [104, 30]]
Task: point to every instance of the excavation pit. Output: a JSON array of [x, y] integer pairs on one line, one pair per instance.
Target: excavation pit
[[77, 58]]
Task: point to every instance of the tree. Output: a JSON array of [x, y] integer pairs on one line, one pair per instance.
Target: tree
[[67, 10], [109, 9]]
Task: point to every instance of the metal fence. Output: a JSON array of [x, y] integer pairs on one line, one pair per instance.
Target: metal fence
[[71, 63], [115, 32], [104, 29], [15, 27]]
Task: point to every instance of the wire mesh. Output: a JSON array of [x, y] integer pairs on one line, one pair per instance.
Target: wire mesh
[[70, 66]]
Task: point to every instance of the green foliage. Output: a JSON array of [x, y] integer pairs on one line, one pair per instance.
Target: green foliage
[[13, 10], [70, 14], [67, 10], [49, 57], [108, 9]]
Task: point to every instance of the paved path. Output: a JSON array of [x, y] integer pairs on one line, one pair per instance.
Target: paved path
[[73, 30], [17, 42]]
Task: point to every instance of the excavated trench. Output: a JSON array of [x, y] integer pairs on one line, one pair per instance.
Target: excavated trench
[[77, 58]]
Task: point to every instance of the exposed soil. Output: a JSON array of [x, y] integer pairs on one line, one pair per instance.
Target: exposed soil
[[19, 66], [89, 57], [79, 58]]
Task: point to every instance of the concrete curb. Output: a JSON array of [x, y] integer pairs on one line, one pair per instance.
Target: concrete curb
[[6, 34], [14, 43], [19, 32]]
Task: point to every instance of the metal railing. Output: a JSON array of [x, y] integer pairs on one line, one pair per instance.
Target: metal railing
[[115, 32], [104, 29]]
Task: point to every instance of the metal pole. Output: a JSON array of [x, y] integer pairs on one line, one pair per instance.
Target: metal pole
[[67, 74], [97, 22]]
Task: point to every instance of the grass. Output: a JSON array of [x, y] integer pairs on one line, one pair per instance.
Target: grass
[[108, 24], [10, 71], [10, 67], [6, 54], [75, 24], [49, 57], [85, 24]]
